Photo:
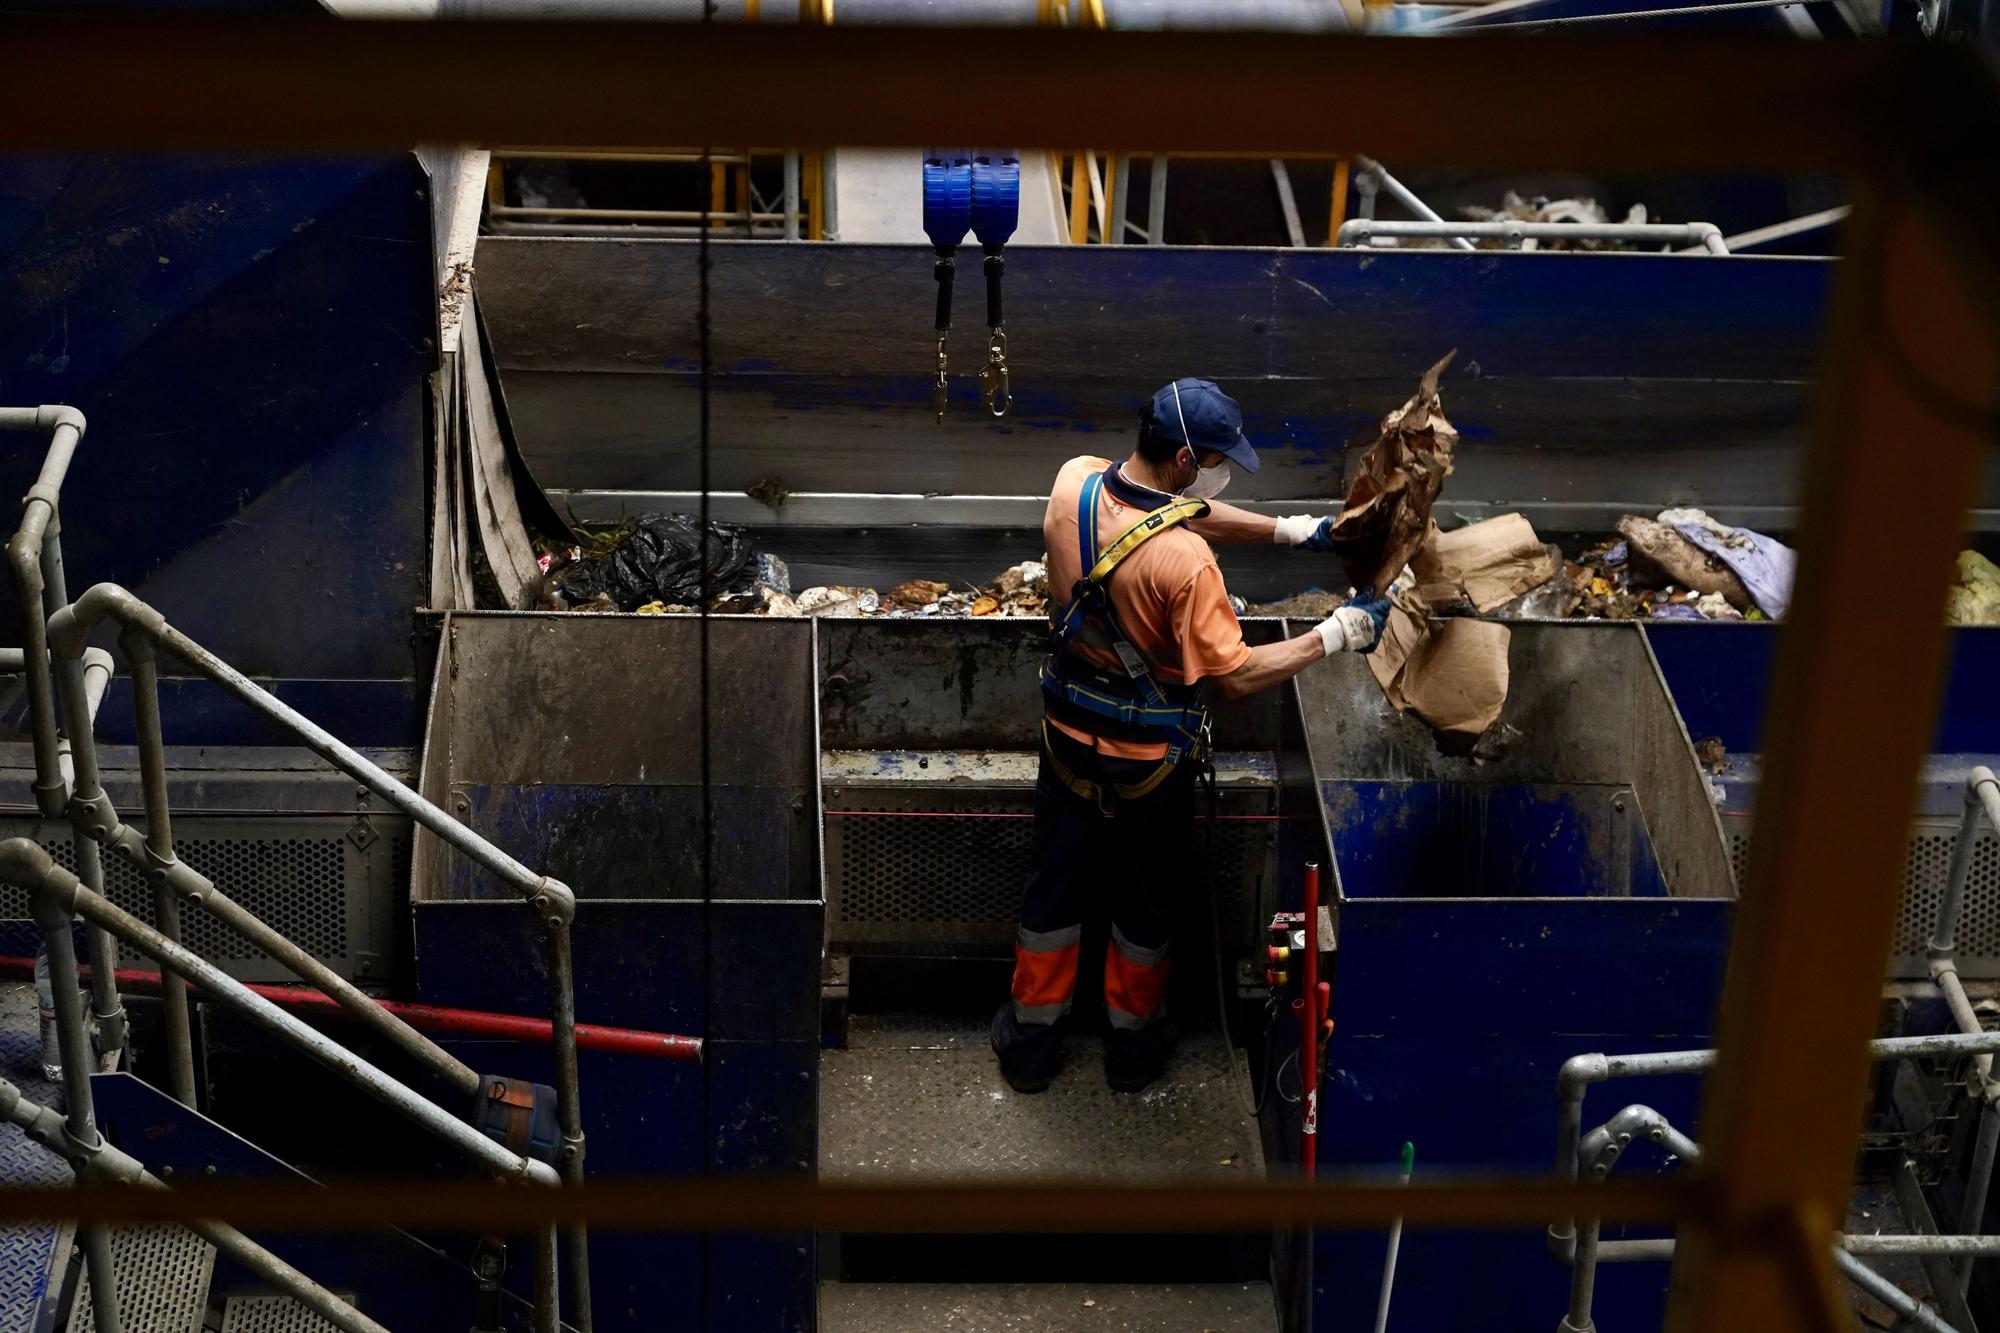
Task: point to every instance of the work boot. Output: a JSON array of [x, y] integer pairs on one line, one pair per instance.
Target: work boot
[[1134, 1060], [1028, 1059]]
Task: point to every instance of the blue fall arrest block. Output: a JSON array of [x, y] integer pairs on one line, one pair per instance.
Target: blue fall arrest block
[[947, 217]]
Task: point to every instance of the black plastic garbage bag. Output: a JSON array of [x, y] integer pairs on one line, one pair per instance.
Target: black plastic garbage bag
[[658, 558]]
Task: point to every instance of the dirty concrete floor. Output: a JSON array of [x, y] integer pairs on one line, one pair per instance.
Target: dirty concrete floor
[[922, 1097]]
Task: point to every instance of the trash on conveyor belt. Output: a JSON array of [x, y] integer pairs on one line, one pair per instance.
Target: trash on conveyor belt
[[1387, 514], [655, 564], [1018, 591]]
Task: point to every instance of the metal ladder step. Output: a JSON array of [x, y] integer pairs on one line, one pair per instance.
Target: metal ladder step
[[273, 1314], [163, 1276]]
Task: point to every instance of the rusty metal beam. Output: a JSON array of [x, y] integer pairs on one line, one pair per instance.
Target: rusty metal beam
[[1903, 422], [1714, 102]]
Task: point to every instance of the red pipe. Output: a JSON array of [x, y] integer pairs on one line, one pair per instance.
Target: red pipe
[[1309, 1019], [433, 1018]]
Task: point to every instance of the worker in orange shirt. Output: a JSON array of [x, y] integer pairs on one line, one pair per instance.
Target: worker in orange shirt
[[1144, 639]]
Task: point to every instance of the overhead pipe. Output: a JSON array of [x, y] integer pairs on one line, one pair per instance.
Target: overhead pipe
[[436, 1018], [1365, 231]]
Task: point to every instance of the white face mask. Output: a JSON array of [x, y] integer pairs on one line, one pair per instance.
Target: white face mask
[[1208, 482]]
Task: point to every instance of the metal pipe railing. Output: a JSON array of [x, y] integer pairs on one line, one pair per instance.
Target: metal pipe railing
[[1366, 231], [159, 855], [1599, 1151], [1982, 796], [1402, 194], [107, 1163], [59, 897], [34, 562], [1576, 1243], [68, 632]]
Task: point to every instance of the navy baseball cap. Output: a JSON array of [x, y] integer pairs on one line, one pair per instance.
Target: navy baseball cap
[[1195, 412]]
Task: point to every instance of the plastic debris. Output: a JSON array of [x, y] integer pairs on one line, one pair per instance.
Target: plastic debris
[[1765, 565], [664, 558]]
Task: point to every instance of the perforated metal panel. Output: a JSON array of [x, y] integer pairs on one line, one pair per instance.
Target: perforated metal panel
[[163, 1274], [942, 868], [1926, 867], [311, 878], [271, 1314]]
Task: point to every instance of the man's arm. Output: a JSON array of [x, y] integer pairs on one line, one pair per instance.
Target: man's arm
[[1230, 525], [1354, 627], [1270, 664]]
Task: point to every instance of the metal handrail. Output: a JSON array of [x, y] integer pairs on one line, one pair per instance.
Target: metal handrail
[[68, 783], [144, 631], [111, 1165], [1574, 1242], [1365, 231], [34, 562]]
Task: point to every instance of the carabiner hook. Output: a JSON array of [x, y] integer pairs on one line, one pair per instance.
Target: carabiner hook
[[941, 391], [993, 391]]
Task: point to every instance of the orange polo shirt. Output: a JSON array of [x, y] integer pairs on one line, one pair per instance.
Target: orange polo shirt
[[1168, 595]]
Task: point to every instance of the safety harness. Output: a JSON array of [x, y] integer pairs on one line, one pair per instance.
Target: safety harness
[[1129, 703]]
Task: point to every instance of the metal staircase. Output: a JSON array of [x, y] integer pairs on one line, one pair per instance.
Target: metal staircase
[[152, 1280]]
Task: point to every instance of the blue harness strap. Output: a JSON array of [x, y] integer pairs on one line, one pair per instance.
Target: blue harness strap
[[1137, 700]]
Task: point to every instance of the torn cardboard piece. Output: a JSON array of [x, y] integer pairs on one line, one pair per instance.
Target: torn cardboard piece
[[1450, 672], [1482, 565], [1387, 514]]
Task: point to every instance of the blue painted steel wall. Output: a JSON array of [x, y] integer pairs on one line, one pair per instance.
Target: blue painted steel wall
[[1720, 676], [249, 340], [1452, 1018], [641, 964]]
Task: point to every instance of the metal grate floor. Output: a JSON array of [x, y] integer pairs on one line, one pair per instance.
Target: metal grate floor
[[1058, 1308], [923, 1098], [28, 1254], [163, 1275]]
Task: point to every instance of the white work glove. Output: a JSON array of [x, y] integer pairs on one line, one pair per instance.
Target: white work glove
[[1295, 529], [1354, 627]]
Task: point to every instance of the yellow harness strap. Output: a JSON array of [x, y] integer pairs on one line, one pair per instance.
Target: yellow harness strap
[[1105, 796]]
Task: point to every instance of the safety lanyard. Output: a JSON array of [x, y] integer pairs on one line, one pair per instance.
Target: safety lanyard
[[947, 217], [996, 211]]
